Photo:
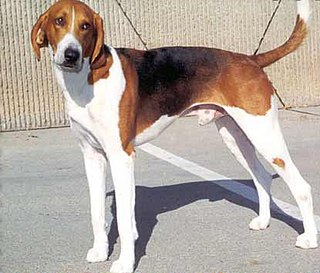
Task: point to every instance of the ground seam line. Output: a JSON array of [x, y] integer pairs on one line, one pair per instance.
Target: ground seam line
[[227, 183]]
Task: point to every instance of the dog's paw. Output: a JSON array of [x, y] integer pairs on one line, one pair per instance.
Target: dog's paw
[[259, 223], [96, 255], [135, 234], [121, 267], [306, 241]]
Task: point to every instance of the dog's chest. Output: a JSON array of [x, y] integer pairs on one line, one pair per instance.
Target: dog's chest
[[94, 110], [97, 122]]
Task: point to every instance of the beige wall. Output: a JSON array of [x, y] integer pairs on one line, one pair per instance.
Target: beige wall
[[29, 97]]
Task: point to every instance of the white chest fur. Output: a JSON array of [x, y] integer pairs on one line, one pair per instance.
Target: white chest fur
[[94, 109]]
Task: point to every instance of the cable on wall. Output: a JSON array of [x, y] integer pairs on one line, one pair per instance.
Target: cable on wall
[[131, 24], [259, 46], [267, 27]]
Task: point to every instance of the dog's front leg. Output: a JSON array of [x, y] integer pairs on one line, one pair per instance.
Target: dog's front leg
[[123, 178], [95, 165]]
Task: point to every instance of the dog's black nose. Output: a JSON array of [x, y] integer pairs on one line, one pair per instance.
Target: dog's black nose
[[71, 55]]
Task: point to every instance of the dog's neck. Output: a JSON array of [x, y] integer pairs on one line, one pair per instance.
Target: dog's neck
[[76, 90], [77, 87]]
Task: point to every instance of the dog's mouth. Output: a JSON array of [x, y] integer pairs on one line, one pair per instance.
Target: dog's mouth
[[70, 67]]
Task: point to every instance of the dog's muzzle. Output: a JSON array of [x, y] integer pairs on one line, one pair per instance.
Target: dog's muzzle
[[69, 54], [71, 57], [72, 61]]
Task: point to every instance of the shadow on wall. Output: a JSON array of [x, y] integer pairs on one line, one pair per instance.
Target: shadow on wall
[[151, 202]]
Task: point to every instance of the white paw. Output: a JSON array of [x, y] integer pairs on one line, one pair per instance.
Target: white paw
[[259, 223], [135, 234], [97, 255], [306, 241], [121, 267]]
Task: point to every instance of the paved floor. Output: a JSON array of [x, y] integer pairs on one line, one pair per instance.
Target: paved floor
[[186, 224]]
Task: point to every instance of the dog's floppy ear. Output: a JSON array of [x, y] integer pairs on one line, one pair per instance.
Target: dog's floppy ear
[[38, 34], [98, 57]]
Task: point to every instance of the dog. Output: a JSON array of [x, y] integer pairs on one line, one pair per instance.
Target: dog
[[118, 99]]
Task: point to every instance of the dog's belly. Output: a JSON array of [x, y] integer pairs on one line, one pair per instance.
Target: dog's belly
[[206, 114], [154, 130]]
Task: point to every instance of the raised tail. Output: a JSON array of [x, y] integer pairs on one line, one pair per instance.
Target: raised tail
[[297, 37]]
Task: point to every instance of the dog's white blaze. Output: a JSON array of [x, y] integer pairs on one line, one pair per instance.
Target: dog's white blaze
[[72, 20], [154, 130], [303, 7]]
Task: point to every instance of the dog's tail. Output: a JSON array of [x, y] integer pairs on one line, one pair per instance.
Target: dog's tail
[[297, 37]]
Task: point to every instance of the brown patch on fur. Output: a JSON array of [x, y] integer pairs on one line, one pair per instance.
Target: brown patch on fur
[[147, 114], [279, 162], [47, 31], [297, 37], [128, 106], [240, 84], [38, 37], [102, 70]]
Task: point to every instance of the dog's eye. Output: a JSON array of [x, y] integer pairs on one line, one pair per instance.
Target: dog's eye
[[59, 21], [85, 26]]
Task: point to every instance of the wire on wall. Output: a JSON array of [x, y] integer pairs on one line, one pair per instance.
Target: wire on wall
[[267, 27], [131, 24], [259, 46]]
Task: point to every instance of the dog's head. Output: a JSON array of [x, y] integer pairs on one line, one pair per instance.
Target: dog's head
[[73, 31]]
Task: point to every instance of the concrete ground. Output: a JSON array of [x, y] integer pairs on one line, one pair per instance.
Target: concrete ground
[[186, 224]]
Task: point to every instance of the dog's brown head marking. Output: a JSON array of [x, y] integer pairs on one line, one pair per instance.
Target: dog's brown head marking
[[70, 17]]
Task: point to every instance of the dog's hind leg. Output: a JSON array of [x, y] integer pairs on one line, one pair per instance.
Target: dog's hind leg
[[243, 150], [265, 134]]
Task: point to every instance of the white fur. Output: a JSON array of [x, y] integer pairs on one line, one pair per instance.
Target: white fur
[[154, 130], [74, 86], [265, 134], [243, 150], [123, 177], [303, 9], [95, 165], [94, 115]]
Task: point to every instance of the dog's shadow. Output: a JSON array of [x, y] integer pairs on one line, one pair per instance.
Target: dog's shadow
[[150, 202]]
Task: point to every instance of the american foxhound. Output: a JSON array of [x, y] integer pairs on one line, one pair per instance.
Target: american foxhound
[[120, 98]]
